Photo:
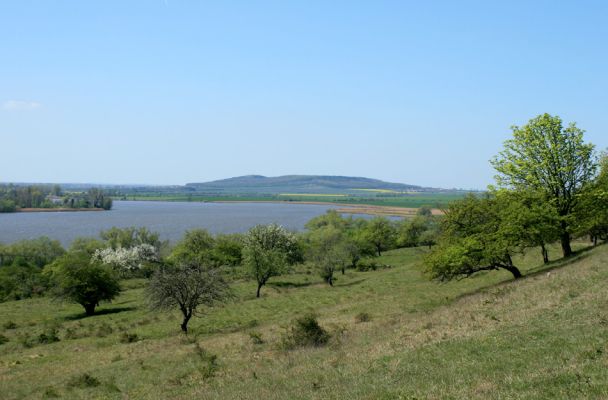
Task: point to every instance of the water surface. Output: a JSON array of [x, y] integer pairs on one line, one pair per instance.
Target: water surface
[[170, 219]]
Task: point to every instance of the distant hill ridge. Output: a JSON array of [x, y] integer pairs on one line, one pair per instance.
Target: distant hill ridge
[[300, 184]]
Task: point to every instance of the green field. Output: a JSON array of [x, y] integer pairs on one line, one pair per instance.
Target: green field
[[542, 337], [437, 200]]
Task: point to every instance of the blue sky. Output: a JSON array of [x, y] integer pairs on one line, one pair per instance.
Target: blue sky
[[169, 92]]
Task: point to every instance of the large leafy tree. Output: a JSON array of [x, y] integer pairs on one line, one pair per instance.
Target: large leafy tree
[[84, 281], [380, 232], [472, 240], [554, 160]]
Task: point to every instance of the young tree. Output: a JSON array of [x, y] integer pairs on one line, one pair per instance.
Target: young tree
[[186, 287], [380, 232], [328, 250], [267, 250], [544, 156], [79, 279], [472, 240]]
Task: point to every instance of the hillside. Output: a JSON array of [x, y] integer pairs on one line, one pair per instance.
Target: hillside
[[300, 184], [542, 337]]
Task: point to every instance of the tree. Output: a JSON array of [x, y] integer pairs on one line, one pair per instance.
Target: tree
[[380, 233], [228, 249], [472, 240], [592, 210], [186, 287], [127, 260], [267, 250], [130, 237], [329, 250], [79, 279], [528, 219], [195, 247], [36, 252], [544, 156]]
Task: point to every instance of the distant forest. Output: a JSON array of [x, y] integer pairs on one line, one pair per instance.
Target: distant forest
[[15, 197]]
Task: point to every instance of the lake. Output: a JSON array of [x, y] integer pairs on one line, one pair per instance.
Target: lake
[[170, 219]]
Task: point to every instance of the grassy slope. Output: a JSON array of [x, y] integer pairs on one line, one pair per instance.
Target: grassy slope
[[544, 336]]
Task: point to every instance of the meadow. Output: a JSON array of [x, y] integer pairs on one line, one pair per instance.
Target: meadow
[[411, 200], [394, 335]]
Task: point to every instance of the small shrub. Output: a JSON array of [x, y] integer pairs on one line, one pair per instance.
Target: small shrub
[[209, 363], [26, 341], [104, 330], [71, 333], [3, 339], [366, 265], [127, 337], [48, 336], [256, 337], [83, 381], [363, 317], [51, 393], [9, 325], [370, 265], [305, 331]]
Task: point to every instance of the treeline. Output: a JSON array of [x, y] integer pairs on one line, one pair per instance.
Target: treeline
[[551, 186], [14, 197]]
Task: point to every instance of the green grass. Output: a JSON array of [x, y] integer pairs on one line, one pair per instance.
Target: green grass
[[544, 336], [438, 200]]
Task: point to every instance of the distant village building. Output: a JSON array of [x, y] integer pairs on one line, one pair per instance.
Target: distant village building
[[55, 199]]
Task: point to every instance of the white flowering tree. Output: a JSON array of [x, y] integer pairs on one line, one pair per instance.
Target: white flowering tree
[[127, 259]]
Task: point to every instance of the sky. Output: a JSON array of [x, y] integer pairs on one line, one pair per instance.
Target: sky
[[170, 92]]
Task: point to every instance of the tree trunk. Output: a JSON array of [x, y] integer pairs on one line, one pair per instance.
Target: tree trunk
[[595, 240], [545, 253], [514, 270], [184, 325], [89, 308], [257, 294], [343, 268], [565, 239]]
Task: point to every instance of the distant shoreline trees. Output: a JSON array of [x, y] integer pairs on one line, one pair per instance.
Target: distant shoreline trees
[[14, 197]]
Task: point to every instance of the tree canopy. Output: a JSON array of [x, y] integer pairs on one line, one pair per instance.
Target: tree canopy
[[546, 157]]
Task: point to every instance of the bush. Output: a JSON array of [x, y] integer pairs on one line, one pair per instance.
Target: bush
[[104, 330], [305, 331], [209, 363], [363, 317], [9, 325], [48, 336], [256, 337], [370, 265], [127, 337], [3, 339], [26, 341], [83, 381]]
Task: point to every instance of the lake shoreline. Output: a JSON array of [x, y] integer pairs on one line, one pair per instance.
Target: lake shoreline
[[61, 209]]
